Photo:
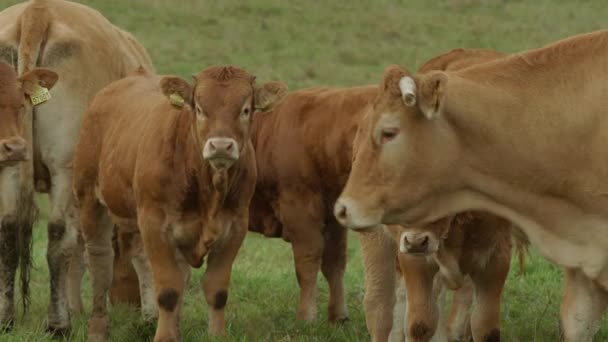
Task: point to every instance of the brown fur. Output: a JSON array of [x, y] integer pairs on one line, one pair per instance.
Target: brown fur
[[158, 181], [508, 136]]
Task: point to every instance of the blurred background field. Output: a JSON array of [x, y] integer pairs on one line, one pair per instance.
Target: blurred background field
[[311, 43]]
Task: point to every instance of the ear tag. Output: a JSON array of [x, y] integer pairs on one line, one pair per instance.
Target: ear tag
[[176, 100], [40, 95]]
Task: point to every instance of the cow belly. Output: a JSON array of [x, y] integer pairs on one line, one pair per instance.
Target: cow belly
[[591, 257]]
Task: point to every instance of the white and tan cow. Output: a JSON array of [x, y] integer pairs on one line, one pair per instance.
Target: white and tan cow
[[87, 52], [523, 137]]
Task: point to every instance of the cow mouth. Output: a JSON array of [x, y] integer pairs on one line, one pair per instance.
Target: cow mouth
[[12, 161], [221, 162]]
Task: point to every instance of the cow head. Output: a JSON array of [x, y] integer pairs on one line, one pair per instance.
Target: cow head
[[422, 241], [224, 98], [13, 94], [404, 151]]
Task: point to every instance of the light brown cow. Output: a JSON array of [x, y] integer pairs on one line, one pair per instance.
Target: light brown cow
[[303, 151], [522, 137], [184, 182], [87, 52]]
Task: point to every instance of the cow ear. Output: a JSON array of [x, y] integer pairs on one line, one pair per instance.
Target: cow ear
[[268, 95], [36, 78], [431, 89], [177, 90]]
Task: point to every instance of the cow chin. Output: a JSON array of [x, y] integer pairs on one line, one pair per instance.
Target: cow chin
[[221, 163]]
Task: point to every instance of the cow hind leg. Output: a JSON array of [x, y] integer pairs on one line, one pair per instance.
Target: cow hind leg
[[459, 319], [333, 266], [97, 233], [583, 305], [485, 318], [76, 271], [8, 265]]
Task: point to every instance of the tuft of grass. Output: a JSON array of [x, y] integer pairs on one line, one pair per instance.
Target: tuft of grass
[[309, 43]]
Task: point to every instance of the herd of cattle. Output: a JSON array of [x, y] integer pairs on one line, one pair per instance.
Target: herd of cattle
[[441, 171]]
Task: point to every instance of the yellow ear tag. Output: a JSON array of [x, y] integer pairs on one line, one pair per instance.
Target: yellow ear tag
[[176, 100], [40, 95]]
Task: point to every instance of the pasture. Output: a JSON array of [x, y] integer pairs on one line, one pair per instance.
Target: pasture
[[333, 43]]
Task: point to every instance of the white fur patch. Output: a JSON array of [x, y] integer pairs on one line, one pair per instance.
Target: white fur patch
[[408, 90]]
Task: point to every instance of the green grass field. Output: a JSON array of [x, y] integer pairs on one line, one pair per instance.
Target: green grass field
[[309, 43]]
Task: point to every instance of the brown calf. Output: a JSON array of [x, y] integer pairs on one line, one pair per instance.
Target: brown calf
[[471, 247], [183, 180]]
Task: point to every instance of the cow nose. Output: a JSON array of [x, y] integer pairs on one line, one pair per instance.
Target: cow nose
[[14, 149], [220, 146], [414, 243], [340, 213]]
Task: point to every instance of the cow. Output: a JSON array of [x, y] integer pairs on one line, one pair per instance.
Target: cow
[[303, 151], [184, 183], [469, 251], [13, 92], [86, 52], [486, 138]]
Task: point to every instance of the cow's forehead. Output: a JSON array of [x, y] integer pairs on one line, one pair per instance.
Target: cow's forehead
[[212, 94], [8, 84]]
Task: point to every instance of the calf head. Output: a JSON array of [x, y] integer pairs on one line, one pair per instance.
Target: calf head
[[404, 155], [224, 100], [426, 240], [13, 93]]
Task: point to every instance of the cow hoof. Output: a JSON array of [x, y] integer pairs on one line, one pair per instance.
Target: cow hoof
[[342, 321], [98, 328], [6, 327], [58, 332]]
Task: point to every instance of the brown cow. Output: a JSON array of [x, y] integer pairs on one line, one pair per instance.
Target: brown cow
[[303, 151], [472, 247], [13, 92], [522, 137], [86, 52], [184, 182]]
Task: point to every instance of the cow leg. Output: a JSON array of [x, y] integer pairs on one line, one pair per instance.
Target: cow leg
[[217, 275], [141, 263], [378, 250], [485, 318], [583, 304], [333, 265], [398, 330], [62, 240], [459, 320], [8, 266], [168, 278], [75, 273], [97, 233]]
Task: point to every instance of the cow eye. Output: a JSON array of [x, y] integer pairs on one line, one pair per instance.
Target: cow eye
[[200, 113], [246, 111], [388, 134]]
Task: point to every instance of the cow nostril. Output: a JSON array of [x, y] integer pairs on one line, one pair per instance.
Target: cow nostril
[[7, 147], [425, 242], [229, 147], [405, 240], [340, 211], [211, 146]]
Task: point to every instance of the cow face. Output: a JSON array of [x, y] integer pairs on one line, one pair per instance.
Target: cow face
[[224, 100], [426, 240], [402, 154], [13, 94]]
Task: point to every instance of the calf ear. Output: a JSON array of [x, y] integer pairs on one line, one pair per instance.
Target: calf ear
[[177, 90], [38, 78], [431, 93], [268, 95]]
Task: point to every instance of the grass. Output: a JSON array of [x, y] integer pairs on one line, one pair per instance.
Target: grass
[[309, 43]]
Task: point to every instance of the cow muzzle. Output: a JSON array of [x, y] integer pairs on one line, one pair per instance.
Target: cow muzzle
[[349, 214], [418, 243], [12, 151], [221, 152]]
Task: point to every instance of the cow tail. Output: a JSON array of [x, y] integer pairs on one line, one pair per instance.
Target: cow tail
[[34, 27]]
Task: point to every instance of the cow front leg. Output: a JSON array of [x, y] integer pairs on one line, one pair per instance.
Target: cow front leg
[[74, 281], [459, 319], [216, 280], [378, 251], [333, 266], [583, 304], [168, 278]]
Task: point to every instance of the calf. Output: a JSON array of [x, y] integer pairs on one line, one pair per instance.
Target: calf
[[519, 137], [471, 247], [86, 52], [184, 182]]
